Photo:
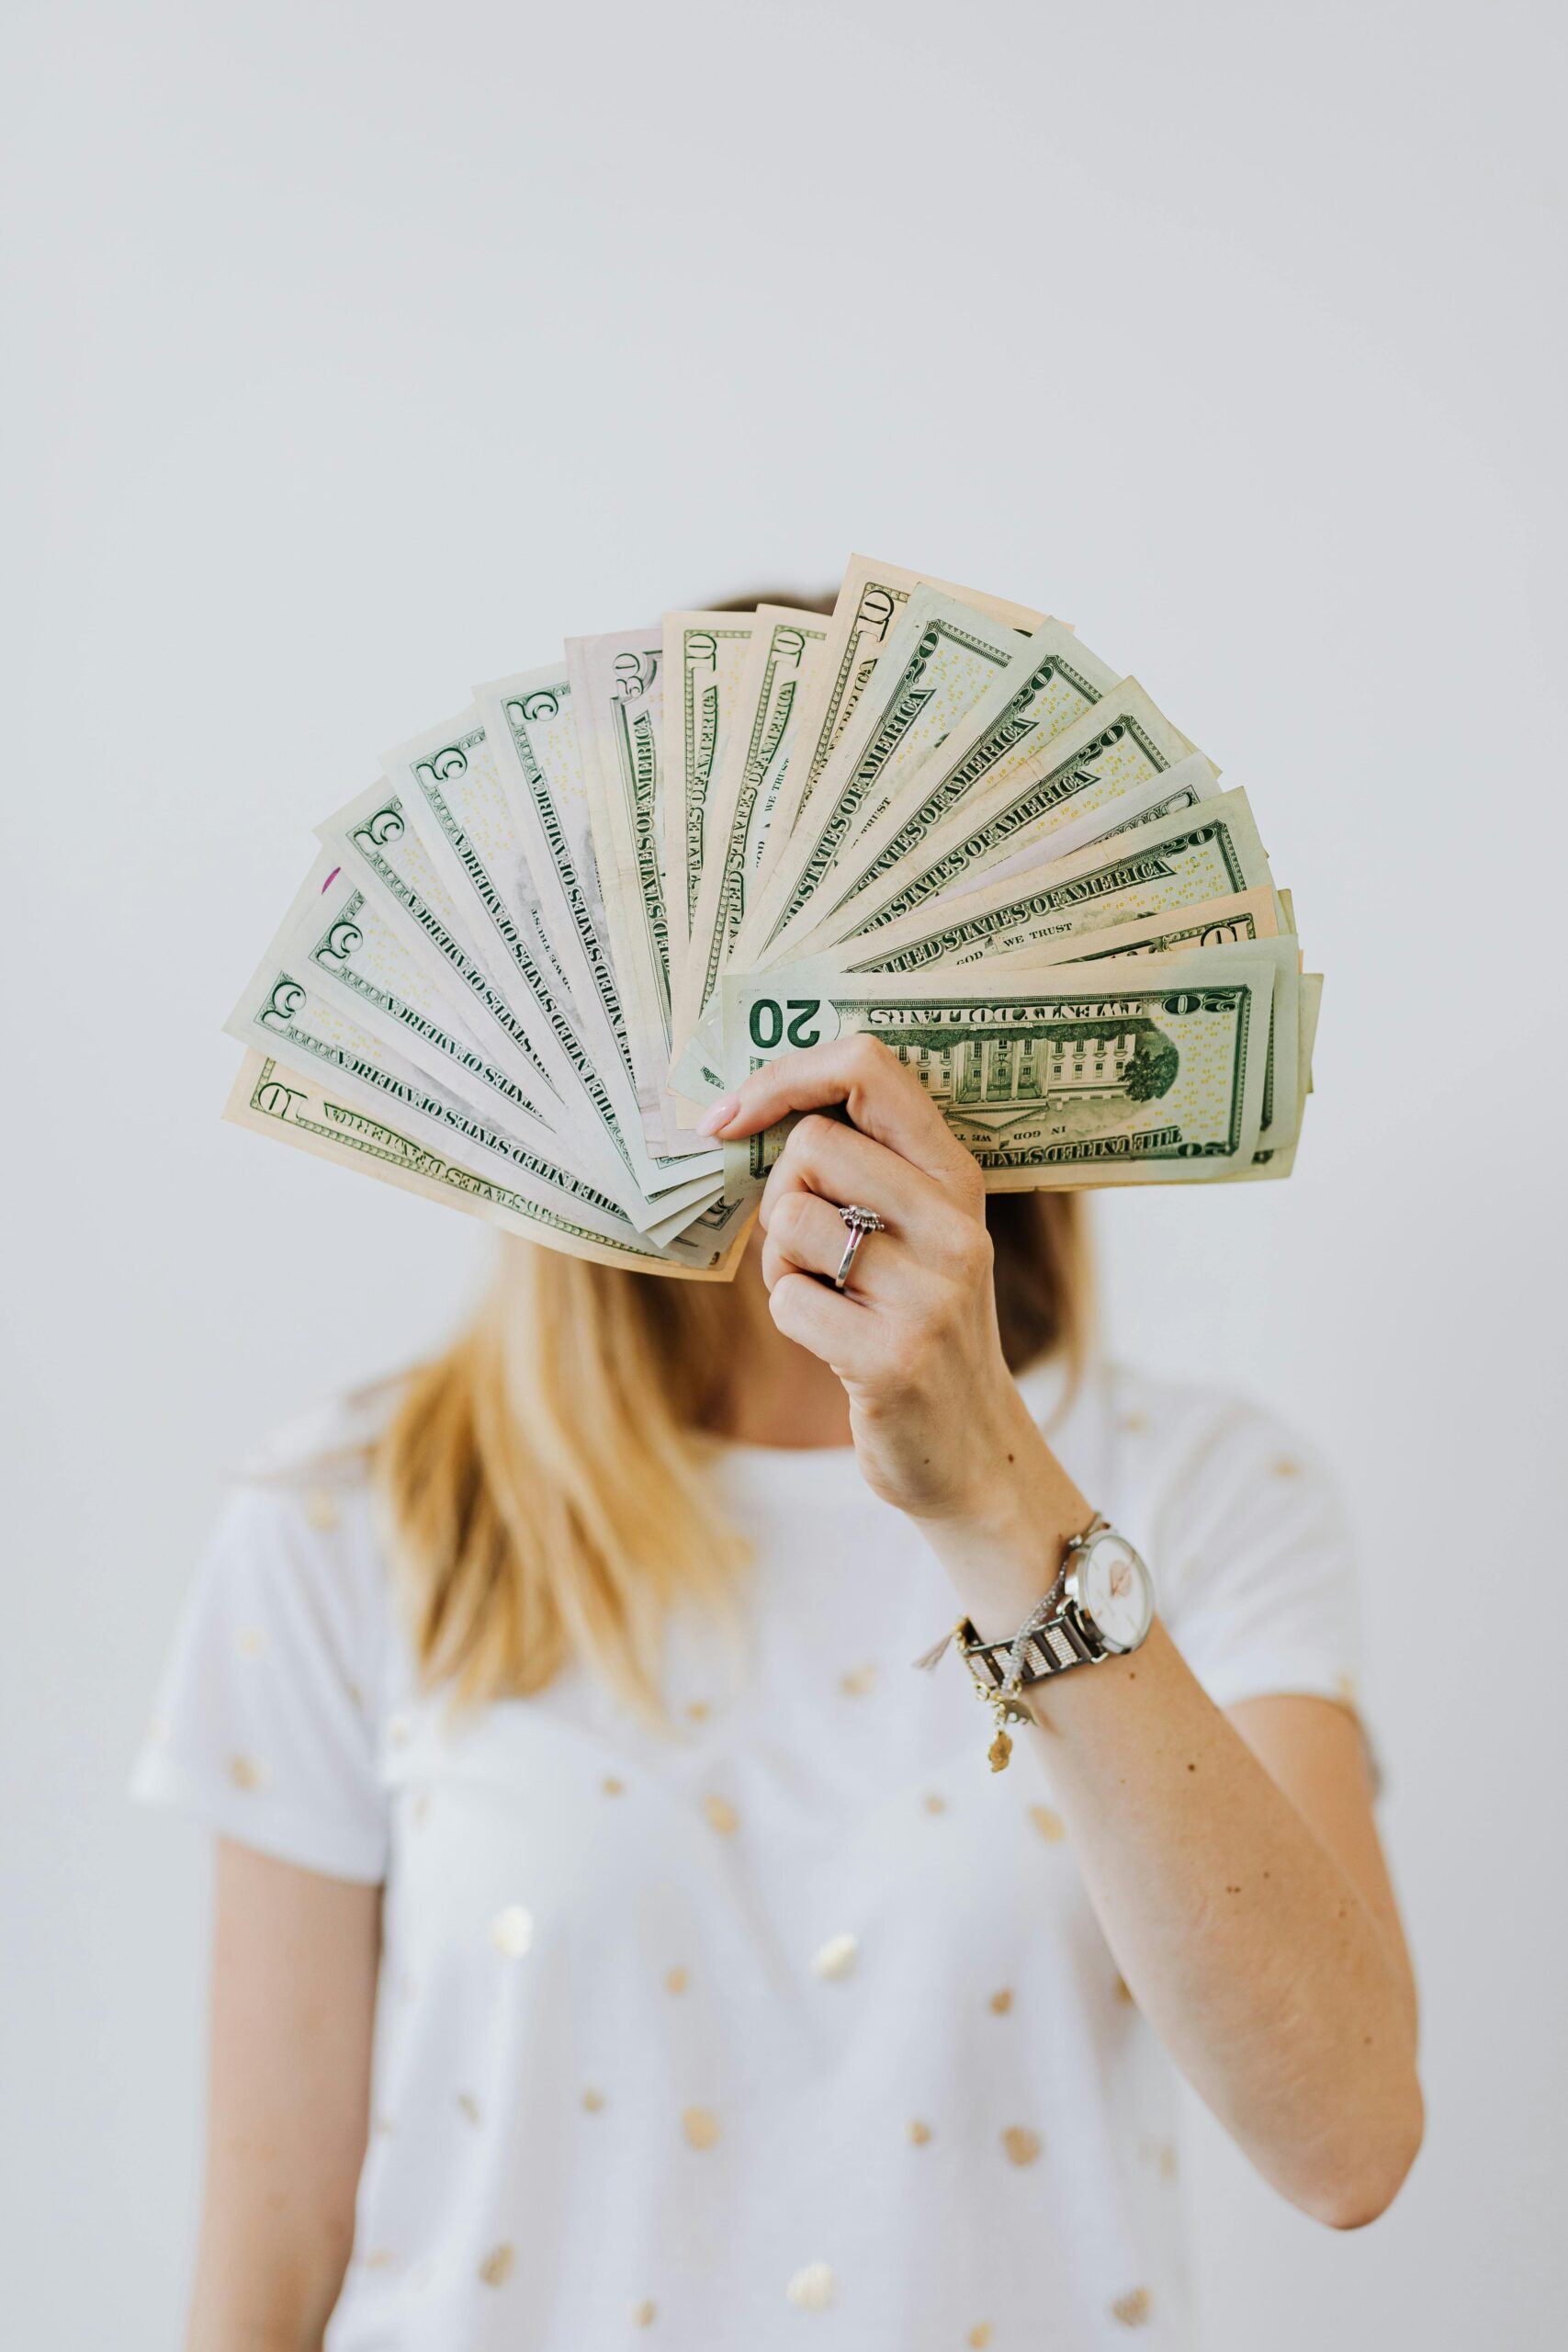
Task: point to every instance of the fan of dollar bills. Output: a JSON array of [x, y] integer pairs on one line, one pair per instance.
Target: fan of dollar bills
[[559, 924]]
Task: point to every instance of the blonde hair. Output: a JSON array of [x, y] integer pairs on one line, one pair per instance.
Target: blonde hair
[[545, 1479]]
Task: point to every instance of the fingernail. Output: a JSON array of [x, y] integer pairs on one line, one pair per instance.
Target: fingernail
[[719, 1115]]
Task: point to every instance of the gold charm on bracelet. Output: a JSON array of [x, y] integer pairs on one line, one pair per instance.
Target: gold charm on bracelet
[[1005, 1707]]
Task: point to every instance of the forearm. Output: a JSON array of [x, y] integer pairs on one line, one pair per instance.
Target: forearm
[[1248, 1946]]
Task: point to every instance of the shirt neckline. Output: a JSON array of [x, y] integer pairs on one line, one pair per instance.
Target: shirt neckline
[[1041, 1385]]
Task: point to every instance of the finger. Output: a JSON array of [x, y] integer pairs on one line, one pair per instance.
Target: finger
[[886, 1101], [846, 1335], [809, 1236], [841, 1165]]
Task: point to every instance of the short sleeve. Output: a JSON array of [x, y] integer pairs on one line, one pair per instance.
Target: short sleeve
[[1254, 1565], [266, 1721]]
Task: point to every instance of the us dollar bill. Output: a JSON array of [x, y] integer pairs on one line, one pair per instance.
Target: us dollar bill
[[782, 660], [1235, 919], [349, 944], [345, 938], [372, 838], [1047, 687], [447, 782], [1148, 869], [1151, 1068], [1250, 916], [528, 721], [1191, 783], [308, 1110], [704, 663], [866, 611], [284, 1011], [617, 706], [938, 664], [1279, 1159], [1118, 744]]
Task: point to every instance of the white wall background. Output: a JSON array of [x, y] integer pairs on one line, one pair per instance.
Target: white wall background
[[362, 351]]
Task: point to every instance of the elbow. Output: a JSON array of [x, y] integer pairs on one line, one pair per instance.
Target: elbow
[[1366, 2179]]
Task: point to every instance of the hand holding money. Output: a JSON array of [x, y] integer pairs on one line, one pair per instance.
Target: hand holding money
[[615, 887], [933, 1409]]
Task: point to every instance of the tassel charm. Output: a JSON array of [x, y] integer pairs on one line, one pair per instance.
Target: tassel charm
[[931, 1660]]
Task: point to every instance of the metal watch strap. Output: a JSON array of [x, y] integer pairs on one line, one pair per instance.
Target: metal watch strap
[[1063, 1641]]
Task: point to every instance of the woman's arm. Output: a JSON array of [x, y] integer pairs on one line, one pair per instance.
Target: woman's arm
[[1233, 1864], [294, 1967]]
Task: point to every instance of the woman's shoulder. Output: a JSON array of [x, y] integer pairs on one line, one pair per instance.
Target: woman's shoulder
[[299, 1519], [1194, 1420], [1158, 1427], [286, 1666], [331, 1444]]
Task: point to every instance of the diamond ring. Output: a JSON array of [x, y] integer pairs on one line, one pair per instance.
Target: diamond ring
[[861, 1222]]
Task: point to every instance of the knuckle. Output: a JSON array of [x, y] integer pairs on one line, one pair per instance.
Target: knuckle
[[791, 1217], [786, 1301], [810, 1135], [975, 1250], [970, 1180]]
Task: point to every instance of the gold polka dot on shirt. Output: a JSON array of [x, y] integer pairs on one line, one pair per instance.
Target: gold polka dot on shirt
[[721, 1816], [1050, 1826], [676, 1980], [919, 2131], [498, 2266], [645, 2313], [593, 2102], [1132, 2310], [1023, 2146], [246, 1772], [811, 2290], [837, 1957], [512, 1930], [935, 1804], [1001, 2000], [469, 2107], [251, 1642], [1285, 1465], [701, 2126], [979, 2335], [321, 1510], [612, 1787], [859, 1682]]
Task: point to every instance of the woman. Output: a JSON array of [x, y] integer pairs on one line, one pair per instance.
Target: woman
[[791, 2018]]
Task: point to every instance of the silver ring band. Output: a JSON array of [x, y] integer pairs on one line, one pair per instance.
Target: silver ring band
[[861, 1222]]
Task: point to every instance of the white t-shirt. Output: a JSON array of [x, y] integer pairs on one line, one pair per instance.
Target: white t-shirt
[[796, 2030]]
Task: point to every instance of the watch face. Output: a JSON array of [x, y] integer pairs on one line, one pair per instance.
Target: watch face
[[1113, 1589]]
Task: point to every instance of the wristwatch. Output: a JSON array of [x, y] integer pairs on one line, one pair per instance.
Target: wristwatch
[[1101, 1605]]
